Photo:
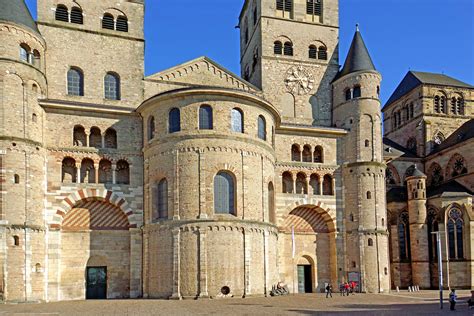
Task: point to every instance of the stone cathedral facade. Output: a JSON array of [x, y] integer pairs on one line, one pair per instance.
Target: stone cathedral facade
[[195, 183]]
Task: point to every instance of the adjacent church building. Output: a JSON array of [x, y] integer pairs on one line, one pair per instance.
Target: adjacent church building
[[195, 182]]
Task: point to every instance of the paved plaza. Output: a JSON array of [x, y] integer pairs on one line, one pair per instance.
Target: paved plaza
[[404, 303]]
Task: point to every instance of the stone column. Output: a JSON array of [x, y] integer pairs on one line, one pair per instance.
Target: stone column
[[102, 144], [293, 178], [87, 139], [114, 173], [203, 290], [96, 176], [320, 183], [308, 187], [78, 173], [176, 266]]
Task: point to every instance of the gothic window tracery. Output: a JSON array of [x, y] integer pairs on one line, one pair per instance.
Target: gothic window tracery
[[455, 234], [432, 223], [412, 144], [404, 236], [435, 175], [456, 166]]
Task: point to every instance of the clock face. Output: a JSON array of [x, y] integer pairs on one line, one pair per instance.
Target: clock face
[[299, 80]]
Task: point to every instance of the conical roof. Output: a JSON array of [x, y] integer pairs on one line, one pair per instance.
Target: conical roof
[[358, 58], [17, 12]]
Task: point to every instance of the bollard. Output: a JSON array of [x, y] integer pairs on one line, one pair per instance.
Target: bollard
[[398, 289], [409, 289]]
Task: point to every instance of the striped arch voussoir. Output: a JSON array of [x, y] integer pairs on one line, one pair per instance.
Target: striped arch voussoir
[[107, 196], [330, 214]]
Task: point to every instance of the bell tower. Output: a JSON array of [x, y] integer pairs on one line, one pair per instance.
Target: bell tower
[[289, 49]]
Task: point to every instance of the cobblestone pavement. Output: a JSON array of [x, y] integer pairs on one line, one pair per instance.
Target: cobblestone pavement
[[421, 303]]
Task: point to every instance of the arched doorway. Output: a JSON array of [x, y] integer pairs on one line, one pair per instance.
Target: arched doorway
[[95, 251], [310, 234]]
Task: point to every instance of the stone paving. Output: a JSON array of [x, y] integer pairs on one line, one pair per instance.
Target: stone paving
[[403, 303]]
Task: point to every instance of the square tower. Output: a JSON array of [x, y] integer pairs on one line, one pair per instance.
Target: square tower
[[97, 39], [289, 49]]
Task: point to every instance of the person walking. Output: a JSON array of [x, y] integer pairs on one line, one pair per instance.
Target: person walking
[[328, 290], [452, 300], [346, 288], [341, 289], [353, 286]]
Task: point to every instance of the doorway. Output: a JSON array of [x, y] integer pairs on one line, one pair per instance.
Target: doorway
[[96, 278], [305, 280]]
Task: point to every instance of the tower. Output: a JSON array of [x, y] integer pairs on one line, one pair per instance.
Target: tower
[[289, 49], [22, 153], [357, 109], [416, 186]]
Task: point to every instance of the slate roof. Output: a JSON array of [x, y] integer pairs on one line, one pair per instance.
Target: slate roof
[[17, 12], [448, 187], [463, 133], [396, 150], [414, 79], [358, 58]]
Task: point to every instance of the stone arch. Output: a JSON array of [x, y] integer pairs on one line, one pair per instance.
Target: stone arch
[[102, 195], [392, 176], [97, 261], [287, 105], [329, 215], [457, 165]]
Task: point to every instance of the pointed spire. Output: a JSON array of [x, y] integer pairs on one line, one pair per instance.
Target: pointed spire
[[16, 11], [358, 58]]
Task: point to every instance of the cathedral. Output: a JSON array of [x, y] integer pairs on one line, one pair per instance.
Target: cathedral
[[196, 183]]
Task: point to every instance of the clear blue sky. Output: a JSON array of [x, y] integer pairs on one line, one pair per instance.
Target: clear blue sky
[[423, 35]]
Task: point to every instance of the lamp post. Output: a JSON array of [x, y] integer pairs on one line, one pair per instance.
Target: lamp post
[[440, 267]]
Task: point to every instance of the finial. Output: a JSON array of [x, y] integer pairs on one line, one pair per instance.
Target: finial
[[357, 27]]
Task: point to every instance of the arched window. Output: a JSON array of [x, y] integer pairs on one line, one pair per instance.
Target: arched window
[[295, 153], [412, 144], [25, 53], [112, 86], [460, 106], [456, 166], [322, 53], [105, 171], [357, 92], [62, 13], [277, 48], [453, 105], [301, 187], [79, 136], [95, 138], [455, 234], [174, 120], [123, 172], [262, 128], [383, 222], [151, 128], [255, 15], [16, 179], [367, 143], [404, 236], [369, 195], [108, 21], [432, 223], [237, 121], [76, 16], [16, 241], [370, 242], [122, 24], [307, 154], [205, 117], [435, 175], [348, 94], [288, 49], [68, 170], [110, 138], [271, 203], [437, 107], [224, 193], [75, 82], [36, 58], [287, 182], [327, 185], [318, 154], [314, 184], [162, 199], [246, 31], [87, 171], [313, 52], [442, 107]]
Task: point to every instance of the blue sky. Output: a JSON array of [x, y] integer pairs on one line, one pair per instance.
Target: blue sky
[[423, 35]]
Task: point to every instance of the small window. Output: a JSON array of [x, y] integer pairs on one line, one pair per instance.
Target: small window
[[351, 217], [62, 14], [348, 94], [112, 86], [36, 58], [110, 138], [354, 264], [322, 53], [237, 122], [279, 5], [288, 5], [313, 52], [224, 193], [288, 49], [357, 92], [385, 271], [313, 7], [16, 241], [174, 120], [108, 21], [318, 154], [16, 178], [123, 172], [151, 128], [75, 82], [383, 222], [367, 143], [162, 201], [34, 118], [205, 117], [370, 242], [76, 16], [122, 24], [277, 48], [25, 53], [369, 195], [262, 128]]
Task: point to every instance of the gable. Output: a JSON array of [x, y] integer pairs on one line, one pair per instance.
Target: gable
[[201, 72]]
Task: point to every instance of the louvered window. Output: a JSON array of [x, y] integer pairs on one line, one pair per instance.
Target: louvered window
[[322, 53], [205, 117], [62, 13], [75, 82], [312, 52], [288, 5], [122, 24], [288, 49], [108, 22], [76, 16], [313, 7], [262, 128], [237, 121], [277, 48], [174, 120], [279, 5], [224, 193], [112, 86]]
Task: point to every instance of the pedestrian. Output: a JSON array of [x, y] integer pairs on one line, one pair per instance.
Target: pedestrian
[[346, 288], [452, 300], [353, 286], [341, 289], [328, 290]]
